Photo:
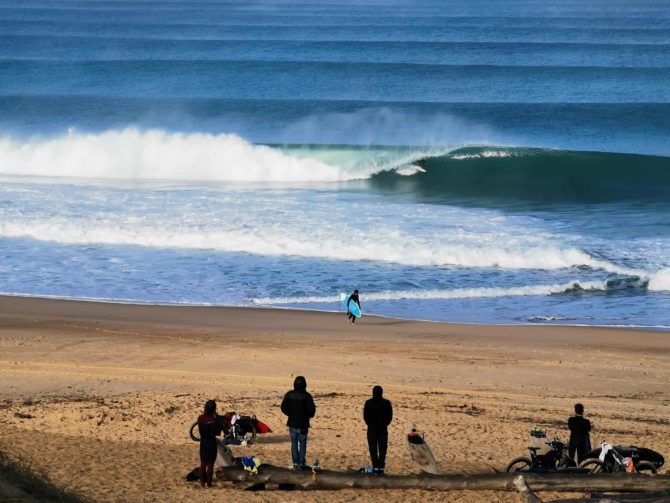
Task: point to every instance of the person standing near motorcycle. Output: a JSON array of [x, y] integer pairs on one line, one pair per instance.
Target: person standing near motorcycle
[[209, 428], [299, 406], [580, 440], [378, 414]]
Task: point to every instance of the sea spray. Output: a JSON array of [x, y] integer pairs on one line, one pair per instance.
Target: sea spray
[[131, 154]]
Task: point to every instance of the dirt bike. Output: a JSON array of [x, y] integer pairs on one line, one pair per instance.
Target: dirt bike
[[557, 457], [237, 429], [619, 458]]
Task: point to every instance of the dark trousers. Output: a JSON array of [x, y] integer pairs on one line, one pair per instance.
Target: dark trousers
[[579, 449], [378, 443], [298, 445], [351, 317]]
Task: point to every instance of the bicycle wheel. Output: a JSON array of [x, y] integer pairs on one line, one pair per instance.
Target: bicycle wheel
[[193, 432], [520, 464], [646, 467], [593, 465], [249, 433]]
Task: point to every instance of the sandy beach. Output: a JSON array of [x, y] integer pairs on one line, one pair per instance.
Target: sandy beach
[[99, 397]]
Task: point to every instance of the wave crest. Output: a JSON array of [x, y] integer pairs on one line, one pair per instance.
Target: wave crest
[[474, 171]]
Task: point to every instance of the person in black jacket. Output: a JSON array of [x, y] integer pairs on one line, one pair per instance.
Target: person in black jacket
[[580, 440], [299, 406], [378, 414]]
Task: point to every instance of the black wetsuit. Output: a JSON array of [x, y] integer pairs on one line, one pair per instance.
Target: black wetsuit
[[209, 428], [353, 298], [580, 440]]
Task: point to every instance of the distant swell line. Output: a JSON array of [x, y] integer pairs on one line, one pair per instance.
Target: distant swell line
[[329, 63], [361, 42]]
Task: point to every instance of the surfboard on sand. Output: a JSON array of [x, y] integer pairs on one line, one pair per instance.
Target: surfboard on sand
[[352, 307], [420, 452]]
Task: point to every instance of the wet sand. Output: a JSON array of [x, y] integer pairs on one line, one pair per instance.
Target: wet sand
[[99, 397]]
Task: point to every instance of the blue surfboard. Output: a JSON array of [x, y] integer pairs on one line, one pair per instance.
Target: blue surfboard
[[352, 307]]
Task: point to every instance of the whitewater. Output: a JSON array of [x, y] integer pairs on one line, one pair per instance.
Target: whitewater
[[511, 167]]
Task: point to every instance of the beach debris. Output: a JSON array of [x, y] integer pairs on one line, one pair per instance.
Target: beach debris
[[22, 415]]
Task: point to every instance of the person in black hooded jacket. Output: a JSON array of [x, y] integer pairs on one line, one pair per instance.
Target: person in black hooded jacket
[[378, 414], [299, 406]]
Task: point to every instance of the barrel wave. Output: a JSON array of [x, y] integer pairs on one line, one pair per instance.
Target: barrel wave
[[433, 173], [533, 174]]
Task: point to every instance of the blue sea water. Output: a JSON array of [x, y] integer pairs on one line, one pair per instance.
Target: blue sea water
[[471, 161]]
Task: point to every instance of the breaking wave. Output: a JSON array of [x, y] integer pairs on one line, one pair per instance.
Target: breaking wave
[[534, 174], [472, 171], [131, 154]]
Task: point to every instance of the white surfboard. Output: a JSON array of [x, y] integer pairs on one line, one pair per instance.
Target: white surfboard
[[420, 452]]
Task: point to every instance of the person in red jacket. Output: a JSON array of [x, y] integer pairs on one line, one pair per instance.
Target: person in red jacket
[[209, 427]]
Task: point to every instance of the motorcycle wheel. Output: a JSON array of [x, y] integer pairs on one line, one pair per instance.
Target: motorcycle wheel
[[193, 432], [521, 464], [646, 467], [593, 465]]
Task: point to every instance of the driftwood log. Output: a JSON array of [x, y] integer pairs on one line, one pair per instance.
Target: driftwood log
[[563, 482], [530, 497]]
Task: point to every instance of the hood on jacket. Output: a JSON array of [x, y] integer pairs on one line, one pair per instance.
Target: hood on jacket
[[377, 392], [300, 384]]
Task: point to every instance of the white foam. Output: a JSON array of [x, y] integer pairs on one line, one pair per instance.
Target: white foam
[[499, 154], [660, 281], [156, 154], [459, 293], [268, 239]]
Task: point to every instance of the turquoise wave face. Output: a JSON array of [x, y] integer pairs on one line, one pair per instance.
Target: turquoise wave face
[[533, 175]]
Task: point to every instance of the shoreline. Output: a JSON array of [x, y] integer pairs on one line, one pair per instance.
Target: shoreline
[[116, 302]]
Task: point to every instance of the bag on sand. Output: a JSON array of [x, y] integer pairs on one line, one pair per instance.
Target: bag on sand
[[193, 475]]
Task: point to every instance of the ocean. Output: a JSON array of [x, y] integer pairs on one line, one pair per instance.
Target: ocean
[[468, 161]]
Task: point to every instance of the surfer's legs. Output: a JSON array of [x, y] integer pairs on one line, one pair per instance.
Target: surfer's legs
[[298, 446], [206, 473], [352, 318]]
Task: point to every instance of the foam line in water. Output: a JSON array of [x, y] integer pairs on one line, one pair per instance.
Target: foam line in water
[[321, 244]]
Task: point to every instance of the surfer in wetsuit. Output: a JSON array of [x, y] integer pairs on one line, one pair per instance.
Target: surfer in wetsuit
[[580, 440], [353, 298], [209, 428]]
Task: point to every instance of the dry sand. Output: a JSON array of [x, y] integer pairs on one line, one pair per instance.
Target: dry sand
[[100, 396]]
